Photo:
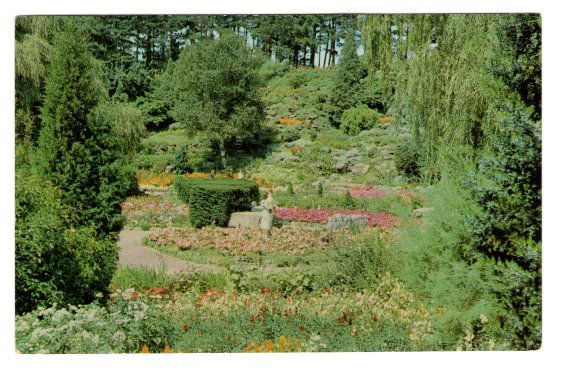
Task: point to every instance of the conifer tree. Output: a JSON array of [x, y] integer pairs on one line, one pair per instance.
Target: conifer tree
[[77, 151]]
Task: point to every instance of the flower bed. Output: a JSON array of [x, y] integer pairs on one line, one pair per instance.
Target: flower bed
[[375, 219], [152, 211], [367, 191], [161, 180], [370, 191], [289, 121], [243, 241]]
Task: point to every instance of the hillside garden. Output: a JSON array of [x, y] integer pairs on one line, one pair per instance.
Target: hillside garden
[[427, 147]]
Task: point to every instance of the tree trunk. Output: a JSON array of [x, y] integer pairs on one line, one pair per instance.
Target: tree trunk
[[326, 50], [223, 153]]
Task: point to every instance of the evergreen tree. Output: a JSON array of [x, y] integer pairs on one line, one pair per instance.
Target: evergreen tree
[[77, 151], [347, 91]]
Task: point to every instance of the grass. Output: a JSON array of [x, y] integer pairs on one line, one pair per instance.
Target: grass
[[139, 277]]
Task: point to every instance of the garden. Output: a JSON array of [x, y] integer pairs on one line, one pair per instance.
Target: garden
[[322, 200]]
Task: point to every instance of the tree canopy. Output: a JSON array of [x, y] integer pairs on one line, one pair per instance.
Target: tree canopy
[[218, 90]]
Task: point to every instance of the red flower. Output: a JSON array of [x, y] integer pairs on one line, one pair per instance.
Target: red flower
[[185, 327]]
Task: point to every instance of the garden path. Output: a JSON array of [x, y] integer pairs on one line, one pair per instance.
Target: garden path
[[133, 253]]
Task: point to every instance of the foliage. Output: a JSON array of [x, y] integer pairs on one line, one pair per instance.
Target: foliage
[[348, 201], [243, 241], [407, 159], [518, 60], [79, 152], [138, 278], [347, 86], [362, 263], [55, 261], [508, 229], [437, 263], [212, 201], [218, 91], [381, 219], [381, 319], [181, 164], [357, 119], [125, 122], [129, 322]]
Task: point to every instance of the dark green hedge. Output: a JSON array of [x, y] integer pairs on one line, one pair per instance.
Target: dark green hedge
[[212, 201]]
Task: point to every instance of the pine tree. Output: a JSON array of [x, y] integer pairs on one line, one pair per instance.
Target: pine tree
[[347, 91]]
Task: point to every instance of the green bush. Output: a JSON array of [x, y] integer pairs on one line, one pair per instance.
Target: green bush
[[357, 119], [56, 263], [508, 229], [360, 263], [212, 201], [181, 165], [126, 325], [407, 160]]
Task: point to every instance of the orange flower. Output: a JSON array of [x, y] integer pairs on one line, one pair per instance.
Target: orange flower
[[145, 349], [167, 349]]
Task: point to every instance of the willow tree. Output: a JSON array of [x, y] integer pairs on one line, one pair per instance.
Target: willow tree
[[34, 39], [217, 89], [436, 67]]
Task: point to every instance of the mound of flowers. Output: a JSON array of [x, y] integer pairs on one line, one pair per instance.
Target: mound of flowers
[[243, 241], [375, 219]]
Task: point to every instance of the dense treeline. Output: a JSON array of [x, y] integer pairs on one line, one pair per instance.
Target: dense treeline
[[464, 92]]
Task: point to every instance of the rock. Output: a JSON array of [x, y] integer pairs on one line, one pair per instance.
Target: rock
[[281, 157], [176, 125], [359, 169], [168, 169], [346, 221], [245, 220], [422, 212], [298, 143]]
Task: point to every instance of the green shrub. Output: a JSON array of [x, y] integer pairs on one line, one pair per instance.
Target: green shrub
[[138, 277], [181, 165], [212, 201], [56, 262], [288, 134], [357, 119], [508, 229], [200, 281], [348, 201], [407, 159], [361, 262], [126, 325]]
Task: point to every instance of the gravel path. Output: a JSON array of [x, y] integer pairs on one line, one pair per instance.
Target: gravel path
[[133, 253]]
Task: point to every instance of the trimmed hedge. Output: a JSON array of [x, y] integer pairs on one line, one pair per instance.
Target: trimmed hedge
[[212, 201]]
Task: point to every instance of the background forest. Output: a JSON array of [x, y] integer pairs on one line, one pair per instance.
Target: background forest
[[439, 112]]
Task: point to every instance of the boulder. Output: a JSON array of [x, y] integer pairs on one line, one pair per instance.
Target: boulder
[[298, 143], [359, 169], [245, 220], [422, 212], [346, 221]]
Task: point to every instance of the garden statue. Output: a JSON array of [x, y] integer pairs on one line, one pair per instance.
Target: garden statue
[[268, 206]]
